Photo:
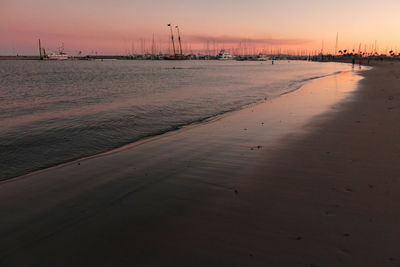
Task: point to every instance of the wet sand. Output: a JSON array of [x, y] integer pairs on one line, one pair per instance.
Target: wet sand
[[306, 179]]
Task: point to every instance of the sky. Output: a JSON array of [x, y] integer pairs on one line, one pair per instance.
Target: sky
[[123, 26]]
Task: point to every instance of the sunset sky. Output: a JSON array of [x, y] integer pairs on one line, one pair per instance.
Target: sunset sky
[[111, 27]]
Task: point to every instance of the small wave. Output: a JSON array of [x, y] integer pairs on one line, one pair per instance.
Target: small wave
[[296, 85]]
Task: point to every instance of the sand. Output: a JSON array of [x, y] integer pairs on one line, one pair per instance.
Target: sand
[[306, 179]]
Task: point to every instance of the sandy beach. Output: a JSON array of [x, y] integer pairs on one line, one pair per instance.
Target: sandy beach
[[306, 179]]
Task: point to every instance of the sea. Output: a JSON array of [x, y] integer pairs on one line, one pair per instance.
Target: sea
[[53, 112]]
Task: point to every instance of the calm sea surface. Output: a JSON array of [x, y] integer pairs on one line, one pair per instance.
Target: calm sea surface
[[54, 112]]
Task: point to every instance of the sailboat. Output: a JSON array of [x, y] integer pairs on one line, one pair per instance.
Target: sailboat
[[176, 56]]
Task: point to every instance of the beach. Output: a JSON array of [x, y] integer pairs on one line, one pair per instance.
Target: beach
[[309, 178]]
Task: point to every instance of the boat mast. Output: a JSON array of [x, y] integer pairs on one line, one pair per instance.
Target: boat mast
[[40, 51], [153, 49], [322, 48], [337, 43], [179, 39], [172, 39]]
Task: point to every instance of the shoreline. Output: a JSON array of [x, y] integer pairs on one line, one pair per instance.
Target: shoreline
[[340, 183], [195, 197]]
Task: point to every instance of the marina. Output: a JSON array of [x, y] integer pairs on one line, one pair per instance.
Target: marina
[[239, 54]]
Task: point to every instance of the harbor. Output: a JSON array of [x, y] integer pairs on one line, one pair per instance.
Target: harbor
[[244, 51]]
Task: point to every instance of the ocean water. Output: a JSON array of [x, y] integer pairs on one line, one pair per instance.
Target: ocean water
[[54, 112]]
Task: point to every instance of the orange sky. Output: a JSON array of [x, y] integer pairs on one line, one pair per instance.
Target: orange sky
[[110, 27]]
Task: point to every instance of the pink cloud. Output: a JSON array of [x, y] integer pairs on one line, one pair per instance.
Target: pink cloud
[[235, 40]]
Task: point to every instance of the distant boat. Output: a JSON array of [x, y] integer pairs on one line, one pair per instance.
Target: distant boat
[[176, 56], [262, 57], [223, 55], [58, 56]]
